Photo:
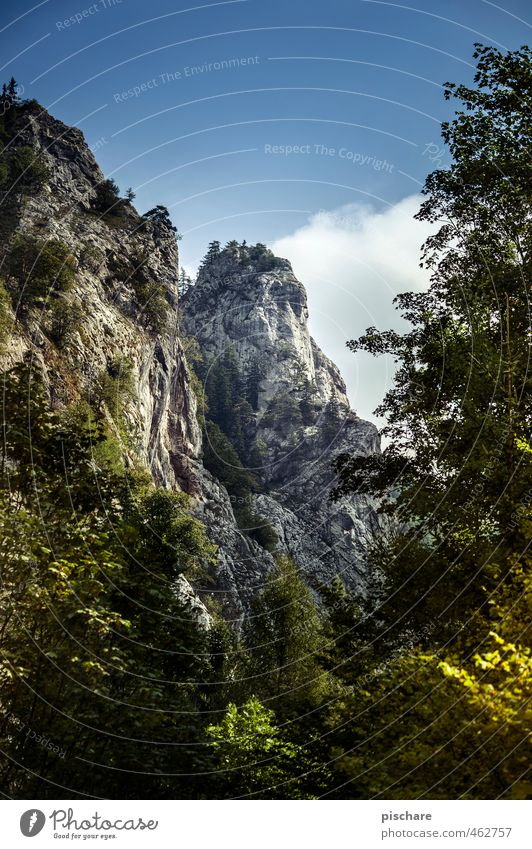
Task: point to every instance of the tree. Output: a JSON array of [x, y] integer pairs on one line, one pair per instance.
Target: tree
[[447, 716], [254, 377], [130, 194], [160, 216], [460, 402], [212, 255], [333, 419], [184, 283], [12, 92], [255, 758], [283, 637], [98, 653], [107, 200], [39, 269]]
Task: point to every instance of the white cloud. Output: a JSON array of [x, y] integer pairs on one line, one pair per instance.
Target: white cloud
[[353, 261]]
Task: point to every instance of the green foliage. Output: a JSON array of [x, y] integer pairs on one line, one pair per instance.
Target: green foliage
[[23, 170], [160, 216], [283, 414], [451, 717], [184, 283], [452, 469], [91, 257], [255, 758], [332, 420], [149, 293], [425, 693], [244, 257], [283, 636], [221, 459], [38, 269], [107, 199], [66, 319], [255, 375], [115, 387], [151, 296], [98, 654]]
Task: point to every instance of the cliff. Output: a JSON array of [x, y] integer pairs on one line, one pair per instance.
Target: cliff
[[117, 334], [249, 304]]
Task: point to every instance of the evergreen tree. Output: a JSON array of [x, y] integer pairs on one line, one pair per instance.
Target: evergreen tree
[[107, 200], [460, 402], [184, 282], [213, 253], [283, 636], [12, 91], [98, 654], [160, 216], [254, 377], [332, 419]]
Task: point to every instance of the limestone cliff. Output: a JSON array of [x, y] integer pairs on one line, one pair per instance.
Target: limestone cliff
[[126, 301], [249, 302]]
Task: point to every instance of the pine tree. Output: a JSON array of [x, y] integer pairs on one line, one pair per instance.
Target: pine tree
[[213, 253], [12, 92], [284, 638], [184, 282], [332, 419], [160, 216], [254, 377]]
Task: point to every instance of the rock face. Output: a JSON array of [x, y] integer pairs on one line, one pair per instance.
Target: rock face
[[299, 419], [249, 302]]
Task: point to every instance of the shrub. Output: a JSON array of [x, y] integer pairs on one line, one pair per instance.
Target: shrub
[[159, 215], [22, 169], [91, 257], [107, 200], [65, 321], [115, 386], [38, 268], [256, 527], [282, 414]]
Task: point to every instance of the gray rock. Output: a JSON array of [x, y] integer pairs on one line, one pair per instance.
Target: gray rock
[[263, 316], [263, 313]]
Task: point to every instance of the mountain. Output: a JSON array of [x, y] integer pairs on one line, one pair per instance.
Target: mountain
[[249, 315], [92, 298]]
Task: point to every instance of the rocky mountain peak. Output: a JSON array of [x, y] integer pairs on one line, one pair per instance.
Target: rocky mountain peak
[[280, 403], [102, 318], [250, 299]]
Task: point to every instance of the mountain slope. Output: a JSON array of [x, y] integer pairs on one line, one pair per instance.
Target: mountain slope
[[94, 292], [247, 306]]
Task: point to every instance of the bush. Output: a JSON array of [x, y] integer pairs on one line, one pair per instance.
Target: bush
[[22, 169], [65, 321], [282, 414], [38, 268], [107, 200], [115, 386], [256, 527], [160, 216], [149, 293], [91, 257], [151, 297]]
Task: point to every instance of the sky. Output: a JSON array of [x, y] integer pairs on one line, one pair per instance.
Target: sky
[[309, 126]]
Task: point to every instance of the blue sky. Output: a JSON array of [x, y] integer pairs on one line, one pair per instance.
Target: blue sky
[[306, 125]]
